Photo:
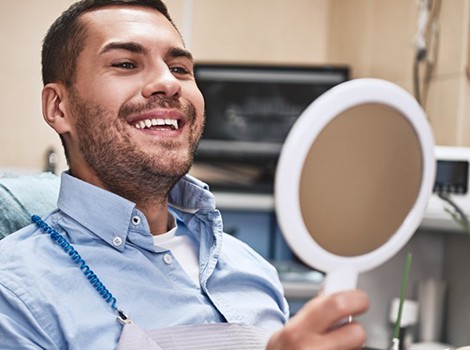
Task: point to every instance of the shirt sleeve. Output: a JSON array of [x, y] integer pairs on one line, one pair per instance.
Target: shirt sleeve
[[19, 329]]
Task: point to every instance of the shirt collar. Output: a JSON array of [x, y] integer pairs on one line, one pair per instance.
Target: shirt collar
[[102, 212], [108, 215], [191, 195]]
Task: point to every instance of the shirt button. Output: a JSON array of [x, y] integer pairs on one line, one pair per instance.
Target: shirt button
[[136, 220], [167, 258], [117, 241]]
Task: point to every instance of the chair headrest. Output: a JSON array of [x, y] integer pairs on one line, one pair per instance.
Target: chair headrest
[[23, 196]]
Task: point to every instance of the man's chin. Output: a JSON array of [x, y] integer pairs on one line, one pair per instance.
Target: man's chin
[[173, 169]]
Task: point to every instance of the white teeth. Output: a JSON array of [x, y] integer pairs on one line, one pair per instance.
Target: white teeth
[[172, 122], [147, 123]]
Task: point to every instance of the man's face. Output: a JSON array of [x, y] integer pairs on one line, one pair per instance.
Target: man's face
[[135, 106]]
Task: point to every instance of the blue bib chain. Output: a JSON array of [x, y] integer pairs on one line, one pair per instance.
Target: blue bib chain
[[89, 274]]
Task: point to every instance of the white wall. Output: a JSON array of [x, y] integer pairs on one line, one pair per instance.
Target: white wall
[[24, 136]]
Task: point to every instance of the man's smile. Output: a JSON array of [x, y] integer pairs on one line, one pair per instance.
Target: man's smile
[[172, 124], [159, 120]]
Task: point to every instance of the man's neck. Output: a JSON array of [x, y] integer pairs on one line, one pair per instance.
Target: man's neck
[[154, 206], [156, 214]]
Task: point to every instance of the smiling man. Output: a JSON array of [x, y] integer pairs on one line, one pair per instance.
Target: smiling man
[[132, 231], [132, 113]]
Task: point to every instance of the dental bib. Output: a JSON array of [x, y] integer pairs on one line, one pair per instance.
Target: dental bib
[[214, 336]]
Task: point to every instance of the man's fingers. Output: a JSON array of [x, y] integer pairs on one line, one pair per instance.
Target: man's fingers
[[313, 326], [349, 336], [333, 309]]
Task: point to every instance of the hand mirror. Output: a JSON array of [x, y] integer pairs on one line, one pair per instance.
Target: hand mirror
[[353, 179]]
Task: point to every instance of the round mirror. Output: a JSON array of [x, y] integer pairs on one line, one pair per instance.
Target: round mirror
[[353, 178]]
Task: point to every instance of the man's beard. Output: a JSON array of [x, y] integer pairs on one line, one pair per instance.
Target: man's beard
[[122, 167]]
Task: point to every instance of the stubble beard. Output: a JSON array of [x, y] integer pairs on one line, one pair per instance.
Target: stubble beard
[[123, 168]]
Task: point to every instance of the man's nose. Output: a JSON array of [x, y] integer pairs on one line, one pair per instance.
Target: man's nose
[[162, 82]]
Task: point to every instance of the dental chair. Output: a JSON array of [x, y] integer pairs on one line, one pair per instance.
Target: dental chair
[[24, 195]]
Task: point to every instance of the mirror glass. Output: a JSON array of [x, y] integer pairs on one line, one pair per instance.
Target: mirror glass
[[360, 179]]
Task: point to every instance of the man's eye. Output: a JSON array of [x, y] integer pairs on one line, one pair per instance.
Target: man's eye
[[124, 65], [179, 70]]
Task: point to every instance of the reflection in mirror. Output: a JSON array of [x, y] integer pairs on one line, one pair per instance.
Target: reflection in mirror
[[360, 179]]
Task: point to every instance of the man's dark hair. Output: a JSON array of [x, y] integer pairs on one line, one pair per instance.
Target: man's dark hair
[[66, 37]]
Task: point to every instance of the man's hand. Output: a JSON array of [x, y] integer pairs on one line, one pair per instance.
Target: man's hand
[[313, 327]]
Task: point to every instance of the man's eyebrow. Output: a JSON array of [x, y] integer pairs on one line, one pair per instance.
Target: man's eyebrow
[[128, 46], [179, 52], [140, 49]]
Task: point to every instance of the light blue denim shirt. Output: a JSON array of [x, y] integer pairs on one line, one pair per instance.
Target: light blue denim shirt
[[46, 302]]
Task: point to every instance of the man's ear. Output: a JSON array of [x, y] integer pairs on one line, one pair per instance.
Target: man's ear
[[54, 108]]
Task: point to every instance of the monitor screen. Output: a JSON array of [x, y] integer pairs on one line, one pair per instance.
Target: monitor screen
[[250, 110], [451, 176]]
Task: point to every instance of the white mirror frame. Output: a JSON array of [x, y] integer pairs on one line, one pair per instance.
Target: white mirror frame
[[342, 271]]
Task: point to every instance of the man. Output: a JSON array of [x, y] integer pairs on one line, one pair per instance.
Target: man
[[132, 232]]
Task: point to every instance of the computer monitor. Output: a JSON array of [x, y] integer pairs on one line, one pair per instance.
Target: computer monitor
[[249, 112]]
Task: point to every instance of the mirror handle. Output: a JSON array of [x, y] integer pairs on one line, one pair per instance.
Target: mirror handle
[[342, 278]]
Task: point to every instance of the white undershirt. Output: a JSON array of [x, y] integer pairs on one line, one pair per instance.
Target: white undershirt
[[183, 249]]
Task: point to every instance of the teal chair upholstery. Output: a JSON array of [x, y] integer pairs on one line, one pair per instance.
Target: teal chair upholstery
[[23, 196]]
